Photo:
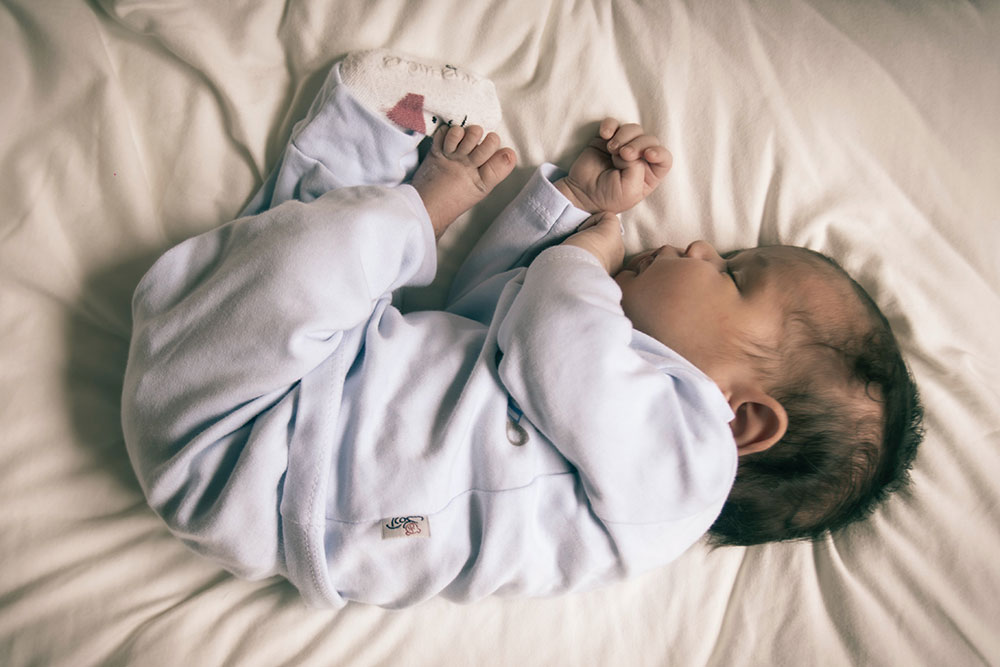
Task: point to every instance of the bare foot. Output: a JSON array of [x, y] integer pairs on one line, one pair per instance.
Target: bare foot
[[459, 171]]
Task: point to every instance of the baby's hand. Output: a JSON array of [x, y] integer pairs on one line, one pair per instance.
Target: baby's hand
[[601, 236], [616, 170]]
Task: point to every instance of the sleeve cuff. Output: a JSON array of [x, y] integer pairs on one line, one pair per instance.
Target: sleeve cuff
[[567, 217], [540, 200], [571, 253]]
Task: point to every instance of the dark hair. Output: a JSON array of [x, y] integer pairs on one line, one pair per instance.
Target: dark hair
[[854, 425]]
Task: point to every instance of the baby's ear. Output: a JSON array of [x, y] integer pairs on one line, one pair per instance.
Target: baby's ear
[[760, 421]]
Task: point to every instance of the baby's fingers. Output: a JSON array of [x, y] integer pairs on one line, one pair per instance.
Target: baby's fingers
[[601, 236], [648, 149], [608, 128], [659, 159], [603, 218], [623, 135], [640, 146]]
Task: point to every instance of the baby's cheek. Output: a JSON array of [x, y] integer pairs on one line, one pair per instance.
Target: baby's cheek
[[640, 312], [622, 279]]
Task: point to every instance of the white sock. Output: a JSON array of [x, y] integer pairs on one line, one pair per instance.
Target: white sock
[[418, 96]]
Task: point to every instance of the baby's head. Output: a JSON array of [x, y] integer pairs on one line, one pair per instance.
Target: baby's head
[[827, 416]]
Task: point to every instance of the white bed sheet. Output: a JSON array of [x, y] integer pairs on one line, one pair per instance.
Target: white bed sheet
[[867, 131]]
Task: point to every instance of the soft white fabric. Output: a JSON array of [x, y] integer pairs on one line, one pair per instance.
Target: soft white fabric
[[284, 418], [865, 130]]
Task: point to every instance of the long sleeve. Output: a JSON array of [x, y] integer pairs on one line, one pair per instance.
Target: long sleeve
[[537, 217], [647, 431]]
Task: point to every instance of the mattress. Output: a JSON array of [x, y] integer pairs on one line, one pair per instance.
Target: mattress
[[868, 131]]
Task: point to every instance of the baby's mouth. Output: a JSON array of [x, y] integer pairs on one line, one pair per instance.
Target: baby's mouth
[[639, 263]]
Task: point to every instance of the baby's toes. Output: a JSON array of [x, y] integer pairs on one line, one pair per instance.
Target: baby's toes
[[497, 167], [473, 133], [485, 150], [452, 138]]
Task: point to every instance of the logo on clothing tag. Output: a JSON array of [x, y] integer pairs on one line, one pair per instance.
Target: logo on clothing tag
[[406, 526]]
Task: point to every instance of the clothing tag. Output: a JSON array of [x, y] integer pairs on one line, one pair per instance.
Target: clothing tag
[[406, 526]]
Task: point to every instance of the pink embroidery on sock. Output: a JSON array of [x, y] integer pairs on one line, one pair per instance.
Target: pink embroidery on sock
[[409, 113]]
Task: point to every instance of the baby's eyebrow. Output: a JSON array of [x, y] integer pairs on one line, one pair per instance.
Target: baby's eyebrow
[[751, 268]]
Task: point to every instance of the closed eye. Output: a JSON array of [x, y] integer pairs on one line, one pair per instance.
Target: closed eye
[[732, 276], [728, 257]]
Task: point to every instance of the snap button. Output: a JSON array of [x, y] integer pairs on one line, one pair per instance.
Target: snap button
[[516, 434]]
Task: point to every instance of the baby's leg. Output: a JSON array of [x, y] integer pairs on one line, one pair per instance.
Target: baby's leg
[[459, 171], [366, 122]]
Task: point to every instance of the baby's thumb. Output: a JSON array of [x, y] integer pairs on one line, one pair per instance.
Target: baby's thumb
[[601, 235], [594, 220], [604, 218]]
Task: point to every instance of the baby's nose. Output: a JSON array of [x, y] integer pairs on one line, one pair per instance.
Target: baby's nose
[[671, 250], [701, 250]]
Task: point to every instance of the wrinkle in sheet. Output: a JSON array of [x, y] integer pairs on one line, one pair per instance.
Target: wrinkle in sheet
[[732, 628], [776, 90], [159, 614], [954, 500], [841, 591], [963, 161], [178, 29], [895, 584], [130, 123], [767, 221], [74, 152]]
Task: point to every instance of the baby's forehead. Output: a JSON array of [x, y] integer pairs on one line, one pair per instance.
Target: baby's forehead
[[805, 281], [775, 264], [786, 262], [783, 256]]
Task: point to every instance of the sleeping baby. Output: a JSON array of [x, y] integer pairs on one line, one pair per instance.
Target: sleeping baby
[[567, 420]]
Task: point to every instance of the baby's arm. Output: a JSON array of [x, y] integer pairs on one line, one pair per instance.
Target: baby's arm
[[647, 431], [619, 168], [539, 216], [601, 236]]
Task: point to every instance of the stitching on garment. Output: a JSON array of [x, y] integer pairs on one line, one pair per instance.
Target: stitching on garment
[[329, 520], [570, 253], [455, 498], [539, 245], [317, 578]]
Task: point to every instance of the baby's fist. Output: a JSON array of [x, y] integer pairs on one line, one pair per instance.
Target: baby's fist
[[616, 170], [601, 236]]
